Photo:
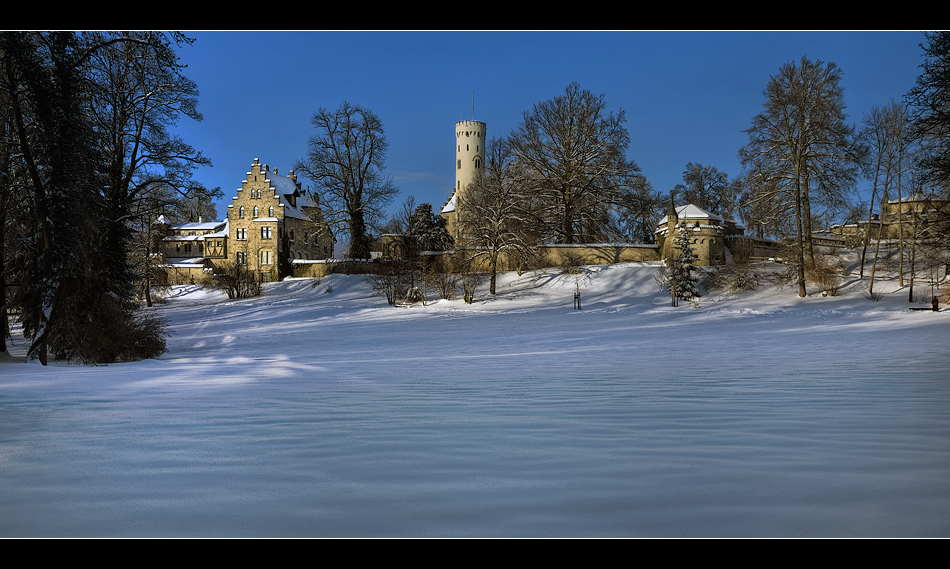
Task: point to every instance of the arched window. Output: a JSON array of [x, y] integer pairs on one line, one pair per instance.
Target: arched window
[[270, 212], [459, 167], [255, 211], [241, 212]]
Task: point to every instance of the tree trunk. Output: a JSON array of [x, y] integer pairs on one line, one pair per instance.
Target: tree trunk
[[867, 230], [809, 251], [801, 249]]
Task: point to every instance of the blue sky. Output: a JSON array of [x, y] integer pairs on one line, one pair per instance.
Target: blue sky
[[687, 95]]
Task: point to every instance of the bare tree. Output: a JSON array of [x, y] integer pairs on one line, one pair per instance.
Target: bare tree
[[574, 155], [885, 134], [800, 150], [707, 187], [497, 219], [345, 161], [637, 213]]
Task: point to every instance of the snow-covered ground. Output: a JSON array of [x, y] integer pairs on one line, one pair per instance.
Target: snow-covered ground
[[324, 412]]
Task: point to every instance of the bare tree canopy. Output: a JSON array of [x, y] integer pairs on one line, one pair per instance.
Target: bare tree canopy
[[345, 160], [497, 216], [801, 155], [707, 187], [573, 153]]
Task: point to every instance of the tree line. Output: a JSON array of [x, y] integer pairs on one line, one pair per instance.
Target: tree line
[[88, 162], [562, 176]]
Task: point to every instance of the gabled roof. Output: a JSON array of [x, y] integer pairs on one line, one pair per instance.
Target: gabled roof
[[200, 225], [690, 211], [450, 205], [285, 187]]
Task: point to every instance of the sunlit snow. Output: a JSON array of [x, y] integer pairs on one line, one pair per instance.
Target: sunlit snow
[[323, 412]]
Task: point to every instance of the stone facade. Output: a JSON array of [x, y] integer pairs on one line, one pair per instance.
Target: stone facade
[[710, 233], [470, 139], [913, 217], [270, 223]]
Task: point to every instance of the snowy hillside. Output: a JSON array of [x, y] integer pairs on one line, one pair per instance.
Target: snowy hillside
[[322, 411]]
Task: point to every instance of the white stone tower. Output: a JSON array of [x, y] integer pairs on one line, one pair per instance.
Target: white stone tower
[[469, 159], [469, 152]]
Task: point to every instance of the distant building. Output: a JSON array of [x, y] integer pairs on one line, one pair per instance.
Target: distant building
[[270, 223], [712, 235], [918, 216], [469, 160]]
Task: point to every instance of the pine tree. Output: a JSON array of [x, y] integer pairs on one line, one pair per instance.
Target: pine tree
[[427, 231], [683, 280]]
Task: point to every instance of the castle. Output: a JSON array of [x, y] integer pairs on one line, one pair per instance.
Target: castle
[[712, 234], [274, 229], [469, 159], [270, 223], [917, 217]]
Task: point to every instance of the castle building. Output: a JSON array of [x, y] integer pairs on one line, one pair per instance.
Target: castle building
[[270, 223], [918, 216], [469, 160], [710, 233]]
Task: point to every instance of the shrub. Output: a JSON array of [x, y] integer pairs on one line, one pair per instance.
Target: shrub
[[736, 278], [875, 296], [826, 274], [236, 280]]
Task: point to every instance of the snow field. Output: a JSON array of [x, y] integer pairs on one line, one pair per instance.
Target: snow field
[[316, 414]]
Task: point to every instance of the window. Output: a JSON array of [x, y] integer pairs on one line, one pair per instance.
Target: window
[[241, 212], [265, 257], [270, 211], [241, 258], [265, 232], [242, 234], [256, 214]]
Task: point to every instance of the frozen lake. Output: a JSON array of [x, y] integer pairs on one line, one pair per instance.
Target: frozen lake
[[306, 414]]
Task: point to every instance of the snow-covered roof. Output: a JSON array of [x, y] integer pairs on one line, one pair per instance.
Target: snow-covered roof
[[918, 197], [218, 228], [184, 262], [450, 206], [200, 225], [223, 232], [285, 186], [690, 211]]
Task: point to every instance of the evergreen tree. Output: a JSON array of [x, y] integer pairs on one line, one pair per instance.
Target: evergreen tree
[[683, 280], [427, 231], [85, 165]]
